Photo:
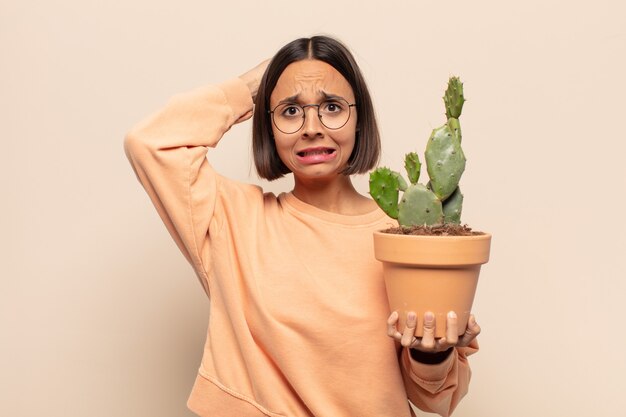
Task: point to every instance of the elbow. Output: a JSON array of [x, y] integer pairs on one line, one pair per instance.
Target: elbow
[[134, 143], [130, 144], [132, 137]]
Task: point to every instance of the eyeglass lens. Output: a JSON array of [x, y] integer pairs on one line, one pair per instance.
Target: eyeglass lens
[[333, 114]]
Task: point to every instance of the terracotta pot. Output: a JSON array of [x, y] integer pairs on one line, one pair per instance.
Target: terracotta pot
[[431, 273]]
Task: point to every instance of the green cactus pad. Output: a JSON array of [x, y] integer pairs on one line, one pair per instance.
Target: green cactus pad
[[419, 206], [453, 98], [401, 181], [384, 189], [455, 128], [413, 166], [452, 207], [441, 200], [445, 161]]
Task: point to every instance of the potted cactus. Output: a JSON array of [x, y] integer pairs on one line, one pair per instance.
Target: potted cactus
[[430, 262]]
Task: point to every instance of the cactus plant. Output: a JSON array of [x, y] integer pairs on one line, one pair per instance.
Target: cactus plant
[[440, 200]]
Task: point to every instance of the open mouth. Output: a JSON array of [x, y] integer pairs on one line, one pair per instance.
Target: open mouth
[[316, 151]]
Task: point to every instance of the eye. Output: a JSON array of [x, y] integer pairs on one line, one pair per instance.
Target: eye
[[291, 110], [332, 107]]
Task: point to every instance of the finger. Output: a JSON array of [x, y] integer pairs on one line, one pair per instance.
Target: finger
[[392, 331], [415, 343], [408, 335], [473, 330], [452, 329], [428, 339]]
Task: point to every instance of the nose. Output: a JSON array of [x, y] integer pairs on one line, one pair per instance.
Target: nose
[[312, 124]]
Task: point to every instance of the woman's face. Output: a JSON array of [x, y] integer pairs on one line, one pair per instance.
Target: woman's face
[[314, 151]]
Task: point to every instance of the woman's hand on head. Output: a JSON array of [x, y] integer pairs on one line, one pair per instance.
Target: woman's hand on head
[[252, 77], [428, 343]]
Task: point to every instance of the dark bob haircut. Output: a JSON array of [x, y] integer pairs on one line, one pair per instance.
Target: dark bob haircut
[[366, 151]]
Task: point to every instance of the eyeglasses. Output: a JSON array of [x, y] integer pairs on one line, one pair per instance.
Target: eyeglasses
[[333, 113]]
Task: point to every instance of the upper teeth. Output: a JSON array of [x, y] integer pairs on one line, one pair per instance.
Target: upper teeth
[[316, 151]]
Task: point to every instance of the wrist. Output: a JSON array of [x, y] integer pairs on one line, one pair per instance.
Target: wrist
[[251, 83], [430, 358], [253, 77]]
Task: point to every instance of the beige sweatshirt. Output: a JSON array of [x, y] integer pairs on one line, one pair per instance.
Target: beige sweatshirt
[[298, 309]]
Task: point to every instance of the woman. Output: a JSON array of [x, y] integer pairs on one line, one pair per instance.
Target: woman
[[298, 305]]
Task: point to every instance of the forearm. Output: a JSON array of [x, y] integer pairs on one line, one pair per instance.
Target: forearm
[[430, 358], [196, 118], [437, 387]]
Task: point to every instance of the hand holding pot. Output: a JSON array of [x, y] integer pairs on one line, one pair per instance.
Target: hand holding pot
[[428, 343]]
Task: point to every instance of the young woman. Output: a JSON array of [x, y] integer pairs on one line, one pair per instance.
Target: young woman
[[299, 322]]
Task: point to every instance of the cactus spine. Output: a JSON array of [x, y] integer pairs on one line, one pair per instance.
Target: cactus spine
[[440, 201]]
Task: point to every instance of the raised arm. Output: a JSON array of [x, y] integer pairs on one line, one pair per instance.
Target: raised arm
[[167, 152]]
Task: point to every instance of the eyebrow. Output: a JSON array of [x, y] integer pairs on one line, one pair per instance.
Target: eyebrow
[[325, 96]]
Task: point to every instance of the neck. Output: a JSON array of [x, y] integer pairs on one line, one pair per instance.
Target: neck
[[336, 196]]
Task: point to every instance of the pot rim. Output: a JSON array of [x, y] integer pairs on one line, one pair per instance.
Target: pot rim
[[485, 235], [435, 251]]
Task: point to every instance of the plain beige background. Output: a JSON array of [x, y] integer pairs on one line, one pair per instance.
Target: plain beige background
[[101, 315]]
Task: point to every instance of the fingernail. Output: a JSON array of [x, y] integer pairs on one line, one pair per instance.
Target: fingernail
[[451, 315], [411, 316], [428, 316]]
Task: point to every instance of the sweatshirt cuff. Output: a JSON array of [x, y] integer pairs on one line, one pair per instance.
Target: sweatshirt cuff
[[238, 97], [429, 373]]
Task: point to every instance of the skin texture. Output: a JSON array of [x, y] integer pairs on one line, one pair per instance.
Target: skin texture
[[306, 81], [323, 186], [320, 184]]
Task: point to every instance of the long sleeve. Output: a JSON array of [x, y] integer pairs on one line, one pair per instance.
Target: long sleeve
[[167, 152], [438, 388]]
